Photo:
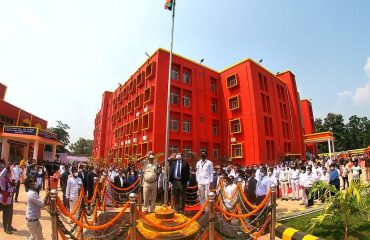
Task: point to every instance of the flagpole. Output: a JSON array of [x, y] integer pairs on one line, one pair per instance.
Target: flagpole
[[166, 153]]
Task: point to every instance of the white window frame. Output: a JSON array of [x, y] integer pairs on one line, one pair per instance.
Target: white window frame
[[186, 101], [184, 123], [173, 123]]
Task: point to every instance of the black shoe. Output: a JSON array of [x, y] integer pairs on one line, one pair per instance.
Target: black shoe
[[8, 231], [12, 229]]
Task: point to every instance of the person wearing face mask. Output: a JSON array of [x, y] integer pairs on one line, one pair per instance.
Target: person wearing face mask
[[150, 178], [271, 175], [334, 177], [90, 183], [33, 211], [179, 177], [131, 179], [82, 174], [263, 186], [63, 184], [7, 192], [308, 182], [284, 178], [72, 189], [294, 182], [120, 182], [250, 186], [204, 176], [40, 177], [325, 176], [17, 175]]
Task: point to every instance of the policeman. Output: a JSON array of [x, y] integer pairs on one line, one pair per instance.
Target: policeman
[[284, 178], [150, 181], [204, 176], [294, 181]]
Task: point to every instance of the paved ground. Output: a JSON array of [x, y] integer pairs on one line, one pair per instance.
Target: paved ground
[[284, 209], [19, 220]]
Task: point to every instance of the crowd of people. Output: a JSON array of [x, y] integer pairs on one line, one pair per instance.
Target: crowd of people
[[293, 180]]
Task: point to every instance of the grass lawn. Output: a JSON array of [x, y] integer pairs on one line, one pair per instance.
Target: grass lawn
[[332, 230]]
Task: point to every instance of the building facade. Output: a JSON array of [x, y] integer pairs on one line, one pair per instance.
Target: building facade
[[22, 134], [244, 112]]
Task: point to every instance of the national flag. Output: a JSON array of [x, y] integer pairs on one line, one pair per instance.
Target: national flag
[[168, 5]]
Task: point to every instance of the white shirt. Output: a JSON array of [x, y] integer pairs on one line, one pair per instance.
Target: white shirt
[[273, 180], [263, 186], [325, 177], [34, 205], [17, 172], [229, 190], [72, 187], [284, 176], [309, 180], [302, 178], [204, 172], [294, 174]]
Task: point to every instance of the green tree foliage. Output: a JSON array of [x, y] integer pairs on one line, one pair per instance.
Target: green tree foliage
[[342, 207], [355, 134], [82, 147], [61, 130]]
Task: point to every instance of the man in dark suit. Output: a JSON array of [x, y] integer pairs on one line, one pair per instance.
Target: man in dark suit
[[82, 174], [250, 186], [179, 177], [90, 182], [120, 182]]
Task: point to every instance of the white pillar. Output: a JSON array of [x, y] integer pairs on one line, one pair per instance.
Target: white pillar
[[5, 149], [35, 150], [54, 152], [333, 147], [329, 148]]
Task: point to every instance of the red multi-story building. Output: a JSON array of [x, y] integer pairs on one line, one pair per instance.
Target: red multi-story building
[[22, 134], [308, 124], [244, 112]]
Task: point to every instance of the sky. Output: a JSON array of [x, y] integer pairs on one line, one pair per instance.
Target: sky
[[58, 57]]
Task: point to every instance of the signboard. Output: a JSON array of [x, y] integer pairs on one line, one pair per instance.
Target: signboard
[[20, 130], [48, 135]]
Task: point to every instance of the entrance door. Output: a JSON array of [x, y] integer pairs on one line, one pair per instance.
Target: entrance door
[[15, 152]]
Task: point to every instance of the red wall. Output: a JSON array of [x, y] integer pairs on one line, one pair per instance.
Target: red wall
[[308, 123], [284, 133]]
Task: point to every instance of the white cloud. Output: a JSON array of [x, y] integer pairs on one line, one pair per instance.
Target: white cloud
[[344, 94], [362, 94]]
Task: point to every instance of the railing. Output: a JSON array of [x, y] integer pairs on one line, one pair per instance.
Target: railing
[[252, 219]]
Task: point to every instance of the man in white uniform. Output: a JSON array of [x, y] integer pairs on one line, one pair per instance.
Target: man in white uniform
[[294, 181], [284, 178], [204, 176], [72, 189]]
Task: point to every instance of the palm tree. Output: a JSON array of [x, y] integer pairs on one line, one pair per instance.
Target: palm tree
[[342, 205]]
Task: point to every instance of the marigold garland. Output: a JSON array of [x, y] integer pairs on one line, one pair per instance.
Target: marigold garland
[[125, 189], [65, 212]]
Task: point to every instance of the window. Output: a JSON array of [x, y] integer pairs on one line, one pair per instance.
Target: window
[[146, 121], [263, 82], [174, 124], [149, 70], [186, 101], [175, 72], [174, 149], [232, 81], [214, 106], [186, 76], [237, 150], [213, 85], [174, 97], [148, 94], [138, 101], [234, 103], [215, 129], [264, 107], [136, 126], [266, 123], [186, 149], [235, 126], [268, 104], [186, 126], [215, 153]]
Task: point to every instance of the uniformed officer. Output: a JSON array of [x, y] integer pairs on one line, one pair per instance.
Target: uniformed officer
[[294, 181], [150, 181], [72, 189], [204, 176], [284, 178]]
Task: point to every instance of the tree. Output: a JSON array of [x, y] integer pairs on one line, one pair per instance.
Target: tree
[[61, 130], [342, 206], [319, 127], [82, 147], [335, 124]]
